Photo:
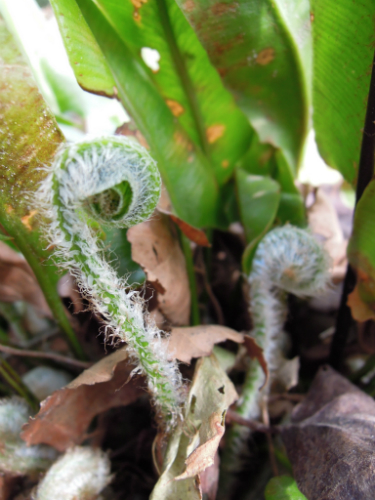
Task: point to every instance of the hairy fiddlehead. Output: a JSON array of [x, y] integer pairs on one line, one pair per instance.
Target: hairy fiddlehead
[[287, 260], [80, 474], [110, 180], [16, 458]]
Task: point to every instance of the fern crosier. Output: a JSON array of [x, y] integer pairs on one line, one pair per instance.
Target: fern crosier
[[287, 260], [113, 181]]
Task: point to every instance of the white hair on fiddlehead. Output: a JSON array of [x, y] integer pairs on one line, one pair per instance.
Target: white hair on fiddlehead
[[287, 260], [110, 180], [16, 458], [80, 474]]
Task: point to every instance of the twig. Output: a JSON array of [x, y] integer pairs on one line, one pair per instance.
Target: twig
[[365, 174], [232, 416], [46, 355]]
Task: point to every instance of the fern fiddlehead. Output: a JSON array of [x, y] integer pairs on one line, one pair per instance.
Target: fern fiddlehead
[[287, 260], [110, 180]]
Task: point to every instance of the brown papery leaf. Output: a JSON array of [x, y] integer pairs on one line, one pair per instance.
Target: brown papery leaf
[[325, 225], [209, 479], [359, 309], [256, 352], [331, 440], [18, 282], [197, 341], [192, 450], [65, 416], [193, 233], [156, 248]]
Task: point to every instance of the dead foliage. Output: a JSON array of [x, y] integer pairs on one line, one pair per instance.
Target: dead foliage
[[330, 440], [64, 417]]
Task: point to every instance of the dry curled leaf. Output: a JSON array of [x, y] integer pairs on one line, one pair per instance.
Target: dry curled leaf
[[325, 225], [156, 248], [65, 415], [193, 449], [256, 352], [197, 341], [360, 310], [18, 282], [331, 440], [193, 233]]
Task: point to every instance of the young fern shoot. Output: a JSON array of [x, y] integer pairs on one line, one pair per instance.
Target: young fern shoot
[[110, 180], [287, 260]]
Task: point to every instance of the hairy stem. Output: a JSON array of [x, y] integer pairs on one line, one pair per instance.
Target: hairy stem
[[288, 260], [111, 181]]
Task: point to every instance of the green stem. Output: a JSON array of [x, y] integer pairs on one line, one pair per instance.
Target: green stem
[[12, 316], [13, 379], [183, 73], [194, 315], [33, 257]]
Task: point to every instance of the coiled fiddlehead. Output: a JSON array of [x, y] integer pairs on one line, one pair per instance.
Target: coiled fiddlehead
[[16, 458], [287, 260], [110, 180], [80, 474]]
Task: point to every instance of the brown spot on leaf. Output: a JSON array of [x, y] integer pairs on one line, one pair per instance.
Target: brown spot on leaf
[[175, 107], [265, 56], [225, 163], [9, 209], [189, 6], [222, 8], [27, 218], [312, 17], [214, 132]]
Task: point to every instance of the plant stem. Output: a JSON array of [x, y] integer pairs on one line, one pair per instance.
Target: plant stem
[[365, 174], [194, 315], [32, 254], [13, 379]]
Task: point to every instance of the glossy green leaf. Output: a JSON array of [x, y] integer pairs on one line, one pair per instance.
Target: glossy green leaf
[[343, 36], [283, 488], [263, 159], [361, 248], [258, 201], [29, 138], [261, 50], [185, 78], [186, 171], [88, 63]]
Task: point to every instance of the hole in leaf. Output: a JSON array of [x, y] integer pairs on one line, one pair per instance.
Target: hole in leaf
[[151, 58]]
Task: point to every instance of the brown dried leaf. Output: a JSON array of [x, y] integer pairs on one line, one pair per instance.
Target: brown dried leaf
[[156, 248], [256, 352], [324, 223], [196, 445], [331, 440], [67, 288], [209, 479], [65, 416], [360, 310], [197, 341], [194, 234], [18, 282]]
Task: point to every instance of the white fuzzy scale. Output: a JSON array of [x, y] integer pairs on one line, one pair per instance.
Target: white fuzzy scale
[[77, 174]]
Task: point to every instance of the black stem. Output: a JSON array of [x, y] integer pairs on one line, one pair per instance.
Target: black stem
[[365, 174]]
